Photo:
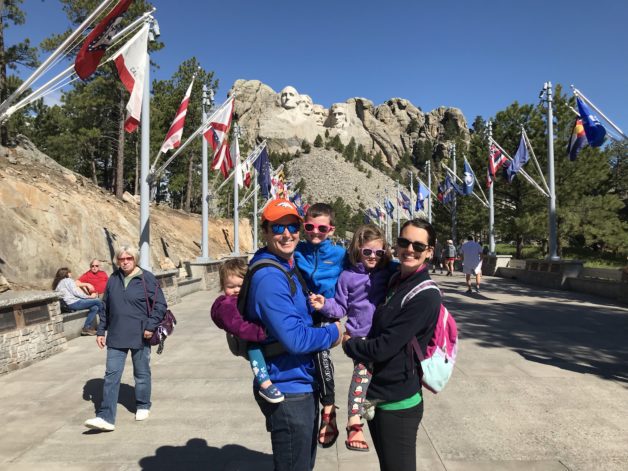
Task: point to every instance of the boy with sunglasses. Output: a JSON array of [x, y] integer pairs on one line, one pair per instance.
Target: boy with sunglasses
[[321, 262]]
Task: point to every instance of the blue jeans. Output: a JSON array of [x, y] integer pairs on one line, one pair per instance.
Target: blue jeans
[[116, 358], [94, 305], [293, 427]]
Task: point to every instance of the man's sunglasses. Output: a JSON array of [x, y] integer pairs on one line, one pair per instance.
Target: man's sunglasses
[[369, 252], [322, 228], [416, 246], [279, 229]]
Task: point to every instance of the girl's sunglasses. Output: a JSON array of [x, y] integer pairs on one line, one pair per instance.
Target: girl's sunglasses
[[279, 229], [416, 246], [369, 252], [322, 228]]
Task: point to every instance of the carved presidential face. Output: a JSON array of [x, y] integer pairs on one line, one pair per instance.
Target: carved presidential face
[[338, 115], [320, 114], [305, 105], [289, 98]]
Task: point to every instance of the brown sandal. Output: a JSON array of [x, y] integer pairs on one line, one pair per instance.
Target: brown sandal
[[352, 431], [328, 420]]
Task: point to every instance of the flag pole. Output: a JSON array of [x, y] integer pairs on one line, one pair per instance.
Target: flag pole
[[60, 50], [145, 261], [398, 212], [429, 188], [236, 194], [578, 93], [206, 102], [491, 205], [536, 162], [255, 190], [553, 255], [412, 203], [454, 205], [252, 157]]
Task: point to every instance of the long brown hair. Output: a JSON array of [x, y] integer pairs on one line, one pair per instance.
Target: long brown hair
[[62, 273], [368, 233]]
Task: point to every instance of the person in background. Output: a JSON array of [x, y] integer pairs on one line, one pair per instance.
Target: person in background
[[94, 279], [134, 307], [437, 261], [450, 256], [472, 256], [395, 386], [321, 263], [76, 299]]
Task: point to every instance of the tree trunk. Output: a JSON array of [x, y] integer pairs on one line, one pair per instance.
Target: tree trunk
[[119, 179], [4, 92], [93, 162], [188, 190]]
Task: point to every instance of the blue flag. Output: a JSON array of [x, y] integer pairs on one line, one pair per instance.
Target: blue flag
[[447, 189], [262, 166], [423, 193], [593, 129], [389, 207], [520, 159], [405, 201], [468, 178]]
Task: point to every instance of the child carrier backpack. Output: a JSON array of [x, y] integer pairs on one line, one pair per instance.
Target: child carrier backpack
[[437, 365], [238, 346]]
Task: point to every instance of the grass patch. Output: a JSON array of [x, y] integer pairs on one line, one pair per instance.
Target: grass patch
[[591, 258]]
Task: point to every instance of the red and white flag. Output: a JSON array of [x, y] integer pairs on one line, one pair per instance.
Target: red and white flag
[[495, 161], [173, 137], [223, 155], [217, 132], [98, 40], [131, 62]]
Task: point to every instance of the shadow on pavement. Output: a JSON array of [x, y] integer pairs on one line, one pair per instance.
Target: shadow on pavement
[[197, 455], [568, 330], [92, 391]]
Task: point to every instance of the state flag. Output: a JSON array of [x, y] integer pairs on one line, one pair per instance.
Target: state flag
[[593, 129], [173, 137], [577, 140]]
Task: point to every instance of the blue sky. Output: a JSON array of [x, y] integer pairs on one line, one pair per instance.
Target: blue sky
[[479, 56]]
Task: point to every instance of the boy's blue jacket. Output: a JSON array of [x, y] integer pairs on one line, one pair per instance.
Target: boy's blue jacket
[[321, 265], [288, 320]]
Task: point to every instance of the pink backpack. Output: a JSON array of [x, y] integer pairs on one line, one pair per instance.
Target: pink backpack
[[437, 364]]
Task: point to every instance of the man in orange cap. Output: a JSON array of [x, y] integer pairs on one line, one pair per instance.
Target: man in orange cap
[[287, 315]]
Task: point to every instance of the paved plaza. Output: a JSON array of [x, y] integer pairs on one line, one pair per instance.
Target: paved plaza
[[541, 384]]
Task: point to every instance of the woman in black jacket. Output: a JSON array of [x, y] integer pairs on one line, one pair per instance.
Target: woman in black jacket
[[134, 307], [395, 386]]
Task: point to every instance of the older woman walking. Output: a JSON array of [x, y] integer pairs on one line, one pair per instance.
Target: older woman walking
[[395, 386], [134, 307]]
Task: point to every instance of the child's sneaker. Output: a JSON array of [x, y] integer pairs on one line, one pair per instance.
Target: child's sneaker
[[271, 394]]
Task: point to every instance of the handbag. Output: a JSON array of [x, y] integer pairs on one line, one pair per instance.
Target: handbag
[[165, 327]]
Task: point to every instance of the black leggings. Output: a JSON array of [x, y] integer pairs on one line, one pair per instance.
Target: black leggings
[[394, 435]]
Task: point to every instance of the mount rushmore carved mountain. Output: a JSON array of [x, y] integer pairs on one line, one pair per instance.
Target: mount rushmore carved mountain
[[395, 128]]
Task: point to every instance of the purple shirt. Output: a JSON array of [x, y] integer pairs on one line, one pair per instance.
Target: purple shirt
[[358, 293]]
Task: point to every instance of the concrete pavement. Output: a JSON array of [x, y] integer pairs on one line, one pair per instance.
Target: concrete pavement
[[541, 384]]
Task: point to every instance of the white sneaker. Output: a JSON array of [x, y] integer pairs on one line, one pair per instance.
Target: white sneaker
[[99, 424], [142, 414]]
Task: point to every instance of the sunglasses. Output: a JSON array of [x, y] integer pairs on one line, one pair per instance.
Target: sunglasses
[[92, 266], [125, 259], [369, 252], [416, 246], [322, 228], [279, 229]]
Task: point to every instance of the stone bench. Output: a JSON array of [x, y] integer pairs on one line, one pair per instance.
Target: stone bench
[[73, 322]]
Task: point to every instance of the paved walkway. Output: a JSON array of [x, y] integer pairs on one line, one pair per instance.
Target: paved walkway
[[541, 384]]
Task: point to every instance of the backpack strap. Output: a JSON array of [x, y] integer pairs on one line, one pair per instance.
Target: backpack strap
[[427, 284]]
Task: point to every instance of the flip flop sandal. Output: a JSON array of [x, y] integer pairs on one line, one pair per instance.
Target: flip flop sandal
[[328, 420], [352, 431]]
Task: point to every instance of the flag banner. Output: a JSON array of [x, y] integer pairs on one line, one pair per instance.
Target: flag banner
[[217, 132], [593, 129], [246, 171], [262, 167], [131, 62], [379, 214], [173, 137], [224, 157], [278, 186], [235, 158], [468, 178], [389, 207], [577, 140], [520, 159], [97, 42], [447, 190], [423, 193], [495, 161], [405, 201], [296, 199]]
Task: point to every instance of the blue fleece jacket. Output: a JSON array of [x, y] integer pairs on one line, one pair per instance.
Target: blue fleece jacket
[[321, 265], [288, 320]]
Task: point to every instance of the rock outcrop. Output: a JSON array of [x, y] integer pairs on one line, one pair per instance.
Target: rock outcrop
[[52, 217], [394, 128]]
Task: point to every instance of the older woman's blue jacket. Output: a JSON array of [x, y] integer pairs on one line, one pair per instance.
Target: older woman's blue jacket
[[126, 309]]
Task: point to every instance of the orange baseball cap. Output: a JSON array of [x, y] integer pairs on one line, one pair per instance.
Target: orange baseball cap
[[278, 208]]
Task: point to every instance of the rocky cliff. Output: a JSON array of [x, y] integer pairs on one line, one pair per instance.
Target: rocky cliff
[[394, 128], [52, 217]]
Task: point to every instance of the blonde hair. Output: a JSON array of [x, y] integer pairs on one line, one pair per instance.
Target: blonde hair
[[132, 251], [232, 267], [368, 233]]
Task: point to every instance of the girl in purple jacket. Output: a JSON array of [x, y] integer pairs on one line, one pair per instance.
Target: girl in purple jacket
[[225, 314], [359, 290]]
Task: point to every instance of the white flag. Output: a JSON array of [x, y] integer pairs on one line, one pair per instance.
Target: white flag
[[131, 62]]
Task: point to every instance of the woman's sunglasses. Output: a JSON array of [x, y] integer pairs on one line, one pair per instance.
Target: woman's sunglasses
[[279, 229], [416, 246], [322, 228], [370, 252]]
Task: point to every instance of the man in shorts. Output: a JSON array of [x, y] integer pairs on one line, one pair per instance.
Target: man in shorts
[[471, 253]]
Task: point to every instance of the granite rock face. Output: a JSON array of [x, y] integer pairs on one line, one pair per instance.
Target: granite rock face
[[394, 128]]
